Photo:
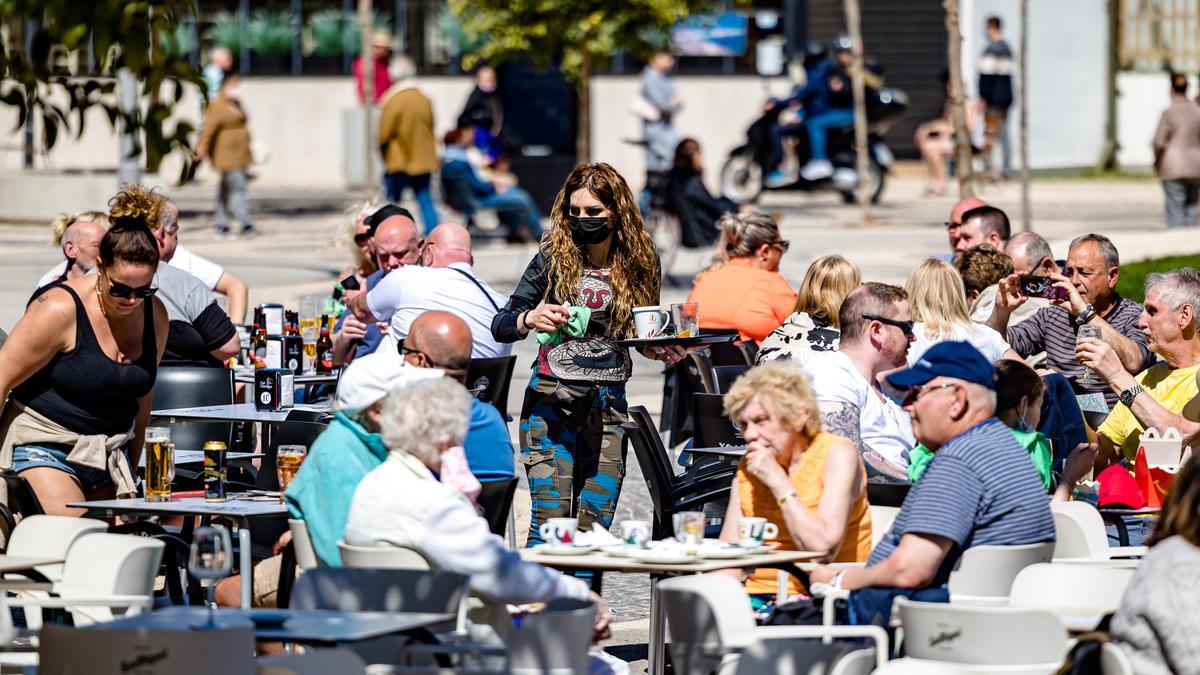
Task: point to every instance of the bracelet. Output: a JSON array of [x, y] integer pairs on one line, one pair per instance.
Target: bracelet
[[836, 581], [525, 324], [784, 499]]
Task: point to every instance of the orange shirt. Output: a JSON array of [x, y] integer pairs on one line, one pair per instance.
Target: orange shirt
[[758, 500], [739, 295]]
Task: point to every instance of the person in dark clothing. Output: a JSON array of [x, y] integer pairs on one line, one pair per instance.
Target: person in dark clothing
[[484, 114], [996, 90], [514, 206], [690, 201]]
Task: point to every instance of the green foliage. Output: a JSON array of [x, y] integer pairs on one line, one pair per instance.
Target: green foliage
[[1132, 282], [226, 31], [129, 34], [270, 33], [333, 32]]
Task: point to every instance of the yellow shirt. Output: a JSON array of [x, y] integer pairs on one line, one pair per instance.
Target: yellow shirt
[[757, 499], [1173, 389]]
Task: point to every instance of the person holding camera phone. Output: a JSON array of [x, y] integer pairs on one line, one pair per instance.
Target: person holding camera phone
[[1085, 295]]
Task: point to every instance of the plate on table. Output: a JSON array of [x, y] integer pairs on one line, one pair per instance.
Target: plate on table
[[663, 556], [267, 617], [552, 549], [722, 551], [620, 550]]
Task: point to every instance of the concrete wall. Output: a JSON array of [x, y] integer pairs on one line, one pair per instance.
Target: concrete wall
[[1141, 98]]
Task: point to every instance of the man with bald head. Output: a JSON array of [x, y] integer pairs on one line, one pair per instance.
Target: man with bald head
[[444, 280], [954, 225], [439, 339], [394, 244], [80, 241]]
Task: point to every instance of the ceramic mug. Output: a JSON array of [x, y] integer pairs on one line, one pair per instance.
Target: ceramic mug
[[559, 531], [651, 321], [635, 533], [756, 530]]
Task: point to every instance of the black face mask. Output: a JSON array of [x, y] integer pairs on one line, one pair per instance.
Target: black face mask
[[587, 231]]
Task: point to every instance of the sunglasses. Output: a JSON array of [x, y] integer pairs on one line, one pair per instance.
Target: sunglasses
[[120, 290], [916, 391], [906, 326], [783, 245], [362, 238]]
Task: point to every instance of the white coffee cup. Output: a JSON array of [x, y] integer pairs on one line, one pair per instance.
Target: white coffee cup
[[756, 529], [559, 531], [650, 321], [635, 533]]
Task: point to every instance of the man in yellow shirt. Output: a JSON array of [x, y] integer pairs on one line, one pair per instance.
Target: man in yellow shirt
[[1160, 396]]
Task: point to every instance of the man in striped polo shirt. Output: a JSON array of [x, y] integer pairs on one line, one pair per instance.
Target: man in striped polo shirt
[[980, 488], [1092, 269]]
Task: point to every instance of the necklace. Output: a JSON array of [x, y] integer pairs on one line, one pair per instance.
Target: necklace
[[100, 299]]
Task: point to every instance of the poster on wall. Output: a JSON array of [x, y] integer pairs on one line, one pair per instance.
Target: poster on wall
[[711, 35]]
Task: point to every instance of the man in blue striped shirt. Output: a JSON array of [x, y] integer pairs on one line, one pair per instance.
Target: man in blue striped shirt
[[981, 488]]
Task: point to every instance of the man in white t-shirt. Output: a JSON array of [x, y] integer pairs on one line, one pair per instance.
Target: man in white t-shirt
[[445, 280], [80, 242], [213, 275], [876, 329]]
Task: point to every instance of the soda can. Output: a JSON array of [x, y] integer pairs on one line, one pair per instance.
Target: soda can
[[214, 471]]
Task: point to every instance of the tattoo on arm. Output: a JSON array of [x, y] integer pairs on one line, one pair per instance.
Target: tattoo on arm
[[842, 419], [41, 298]]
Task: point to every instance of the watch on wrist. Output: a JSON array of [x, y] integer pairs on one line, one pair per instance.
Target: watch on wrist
[[1086, 315], [1129, 394]]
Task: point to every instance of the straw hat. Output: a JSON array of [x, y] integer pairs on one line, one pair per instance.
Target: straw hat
[[381, 38]]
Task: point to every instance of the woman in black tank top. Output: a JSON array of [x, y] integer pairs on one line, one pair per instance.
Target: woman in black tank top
[[85, 356]]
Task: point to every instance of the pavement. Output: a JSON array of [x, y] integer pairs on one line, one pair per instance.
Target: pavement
[[294, 256]]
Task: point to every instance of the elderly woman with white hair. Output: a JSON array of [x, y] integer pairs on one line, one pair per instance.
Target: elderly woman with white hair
[[402, 503]]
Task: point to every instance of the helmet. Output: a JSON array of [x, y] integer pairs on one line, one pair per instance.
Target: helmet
[[842, 43]]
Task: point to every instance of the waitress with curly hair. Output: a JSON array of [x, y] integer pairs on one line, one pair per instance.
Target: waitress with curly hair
[[79, 367], [596, 255]]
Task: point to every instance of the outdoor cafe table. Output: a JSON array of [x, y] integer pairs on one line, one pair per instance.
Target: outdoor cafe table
[[234, 412], [602, 562], [239, 511], [302, 626]]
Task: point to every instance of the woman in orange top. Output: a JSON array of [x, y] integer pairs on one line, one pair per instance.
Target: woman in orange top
[[744, 289], [809, 483]]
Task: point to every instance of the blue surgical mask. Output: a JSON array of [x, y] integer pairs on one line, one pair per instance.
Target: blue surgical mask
[[1022, 423]]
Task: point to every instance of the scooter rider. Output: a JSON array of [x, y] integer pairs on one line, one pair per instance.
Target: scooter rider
[[805, 99]]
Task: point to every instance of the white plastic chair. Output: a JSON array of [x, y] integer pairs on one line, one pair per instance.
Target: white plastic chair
[[554, 641], [71, 651], [1079, 535], [42, 536], [984, 574], [104, 572], [1020, 640], [882, 518], [382, 557], [313, 662], [1086, 589], [713, 630], [1113, 661], [306, 555]]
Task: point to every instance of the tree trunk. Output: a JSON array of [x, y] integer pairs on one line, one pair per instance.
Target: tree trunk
[[367, 60], [583, 117], [965, 168], [1108, 158], [861, 145], [129, 169], [1023, 67]]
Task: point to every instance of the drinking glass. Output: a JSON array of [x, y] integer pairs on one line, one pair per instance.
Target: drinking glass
[[160, 464], [689, 527], [211, 559], [686, 318], [310, 317], [1088, 377], [287, 463]]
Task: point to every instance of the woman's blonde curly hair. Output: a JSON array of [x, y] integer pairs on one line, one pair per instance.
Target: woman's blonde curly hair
[[59, 226], [136, 205], [783, 387], [635, 276]]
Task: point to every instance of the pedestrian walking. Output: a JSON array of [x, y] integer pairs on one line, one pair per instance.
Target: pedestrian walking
[[407, 142], [1177, 154], [996, 90], [225, 142]]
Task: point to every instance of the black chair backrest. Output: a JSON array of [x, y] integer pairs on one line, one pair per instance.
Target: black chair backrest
[[736, 353], [21, 497], [692, 375], [658, 482], [361, 589], [712, 428], [187, 387], [887, 494], [495, 498], [494, 375], [725, 376], [303, 415]]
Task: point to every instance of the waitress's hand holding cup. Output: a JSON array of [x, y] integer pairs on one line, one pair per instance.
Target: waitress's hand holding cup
[[559, 531], [752, 531]]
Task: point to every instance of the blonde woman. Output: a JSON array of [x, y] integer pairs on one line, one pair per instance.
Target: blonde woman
[[744, 289], [597, 255], [811, 484], [938, 301], [79, 236], [813, 325], [356, 237]]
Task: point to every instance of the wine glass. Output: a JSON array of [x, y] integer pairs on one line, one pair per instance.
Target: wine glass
[[1087, 330], [212, 559]]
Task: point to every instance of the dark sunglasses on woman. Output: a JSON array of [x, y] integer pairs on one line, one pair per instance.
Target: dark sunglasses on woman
[[120, 290]]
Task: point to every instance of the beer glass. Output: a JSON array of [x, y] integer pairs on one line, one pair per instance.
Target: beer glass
[[1088, 377], [310, 317], [160, 464], [287, 463]]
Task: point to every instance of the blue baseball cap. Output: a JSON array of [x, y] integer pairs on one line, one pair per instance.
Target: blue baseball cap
[[947, 359]]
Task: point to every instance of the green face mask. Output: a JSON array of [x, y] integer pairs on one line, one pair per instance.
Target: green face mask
[[1035, 442]]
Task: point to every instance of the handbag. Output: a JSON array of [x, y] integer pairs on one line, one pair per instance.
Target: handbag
[[643, 109]]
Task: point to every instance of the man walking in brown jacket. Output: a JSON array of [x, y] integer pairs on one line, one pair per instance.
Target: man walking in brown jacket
[[406, 140], [1177, 154], [225, 141]]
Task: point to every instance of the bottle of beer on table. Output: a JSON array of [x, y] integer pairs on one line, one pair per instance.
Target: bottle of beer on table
[[324, 348]]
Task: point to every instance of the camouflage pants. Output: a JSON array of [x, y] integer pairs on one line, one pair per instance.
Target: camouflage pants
[[573, 449]]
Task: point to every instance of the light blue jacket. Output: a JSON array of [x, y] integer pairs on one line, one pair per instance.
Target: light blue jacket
[[321, 492]]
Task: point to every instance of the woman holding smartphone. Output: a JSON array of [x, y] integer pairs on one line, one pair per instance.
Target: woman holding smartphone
[[597, 255]]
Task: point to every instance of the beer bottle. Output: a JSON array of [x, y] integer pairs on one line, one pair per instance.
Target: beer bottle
[[324, 348]]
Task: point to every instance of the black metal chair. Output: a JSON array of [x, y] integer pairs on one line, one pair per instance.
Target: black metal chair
[[691, 375], [492, 377], [21, 496], [669, 493], [495, 498], [736, 353], [186, 387], [712, 428], [725, 376]]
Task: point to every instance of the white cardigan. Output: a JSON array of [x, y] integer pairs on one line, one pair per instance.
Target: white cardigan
[[400, 503]]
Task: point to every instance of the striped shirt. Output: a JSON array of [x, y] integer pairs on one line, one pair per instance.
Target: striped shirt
[[1052, 331], [979, 489]]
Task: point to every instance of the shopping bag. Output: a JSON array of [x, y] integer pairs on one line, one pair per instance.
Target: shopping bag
[[1158, 460]]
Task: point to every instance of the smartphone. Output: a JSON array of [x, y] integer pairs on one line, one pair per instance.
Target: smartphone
[[1042, 287], [350, 283]]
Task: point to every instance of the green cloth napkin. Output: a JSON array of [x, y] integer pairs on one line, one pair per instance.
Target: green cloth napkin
[[576, 326]]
